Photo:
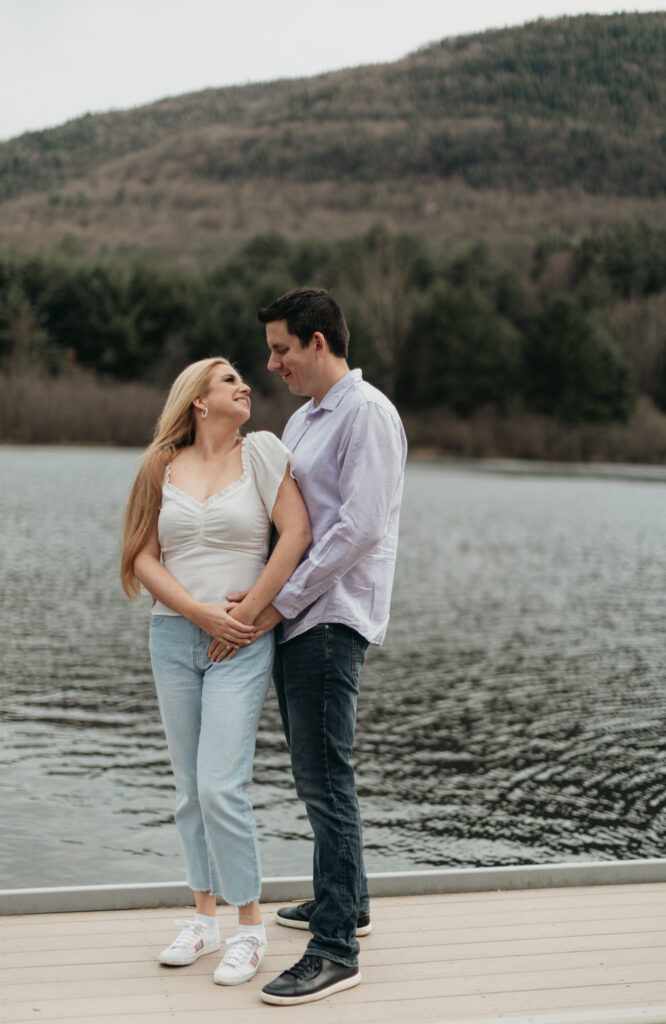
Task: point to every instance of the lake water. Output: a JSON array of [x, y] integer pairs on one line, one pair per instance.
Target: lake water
[[516, 714]]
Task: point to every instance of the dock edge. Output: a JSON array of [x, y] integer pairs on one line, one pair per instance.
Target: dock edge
[[136, 896]]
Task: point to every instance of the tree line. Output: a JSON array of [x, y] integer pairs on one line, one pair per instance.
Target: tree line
[[435, 330]]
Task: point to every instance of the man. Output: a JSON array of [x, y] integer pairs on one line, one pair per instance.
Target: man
[[349, 452]]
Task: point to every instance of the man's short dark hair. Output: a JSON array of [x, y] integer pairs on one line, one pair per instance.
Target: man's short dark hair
[[307, 310]]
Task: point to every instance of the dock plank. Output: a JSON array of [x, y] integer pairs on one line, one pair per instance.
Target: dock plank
[[524, 956], [51, 929]]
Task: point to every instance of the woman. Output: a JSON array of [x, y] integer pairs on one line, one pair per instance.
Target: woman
[[197, 528]]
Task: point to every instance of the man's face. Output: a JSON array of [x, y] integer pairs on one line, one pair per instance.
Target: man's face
[[295, 365]]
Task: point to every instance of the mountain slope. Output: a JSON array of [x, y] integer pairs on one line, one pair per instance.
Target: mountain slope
[[573, 106]]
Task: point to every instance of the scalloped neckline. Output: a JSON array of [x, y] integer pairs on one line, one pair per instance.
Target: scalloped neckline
[[218, 494]]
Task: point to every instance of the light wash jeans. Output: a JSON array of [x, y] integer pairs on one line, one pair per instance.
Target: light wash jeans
[[210, 711]]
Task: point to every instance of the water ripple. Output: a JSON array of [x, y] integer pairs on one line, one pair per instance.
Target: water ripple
[[515, 715]]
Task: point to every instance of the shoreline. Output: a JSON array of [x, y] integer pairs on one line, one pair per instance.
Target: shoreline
[[82, 410], [643, 472], [650, 472]]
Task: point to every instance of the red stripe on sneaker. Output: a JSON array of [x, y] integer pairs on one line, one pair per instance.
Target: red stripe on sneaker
[[199, 945]]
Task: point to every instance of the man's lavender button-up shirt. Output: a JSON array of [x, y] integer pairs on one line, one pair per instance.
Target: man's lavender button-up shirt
[[348, 459]]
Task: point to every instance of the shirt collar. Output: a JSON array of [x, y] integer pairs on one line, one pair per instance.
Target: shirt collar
[[334, 395]]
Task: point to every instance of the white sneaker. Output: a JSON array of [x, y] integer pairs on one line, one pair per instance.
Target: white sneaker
[[241, 961], [193, 941]]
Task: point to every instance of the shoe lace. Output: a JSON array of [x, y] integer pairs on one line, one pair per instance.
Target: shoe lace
[[305, 967], [240, 949], [191, 931]]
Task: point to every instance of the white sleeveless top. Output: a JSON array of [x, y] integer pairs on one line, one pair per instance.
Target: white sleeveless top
[[220, 545]]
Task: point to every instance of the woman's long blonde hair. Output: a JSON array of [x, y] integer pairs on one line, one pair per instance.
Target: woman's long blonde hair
[[175, 429]]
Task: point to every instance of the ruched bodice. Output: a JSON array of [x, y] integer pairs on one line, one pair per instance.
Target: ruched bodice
[[220, 545]]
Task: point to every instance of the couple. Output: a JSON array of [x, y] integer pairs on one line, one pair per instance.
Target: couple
[[196, 535]]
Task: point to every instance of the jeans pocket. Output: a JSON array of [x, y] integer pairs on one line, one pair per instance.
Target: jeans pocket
[[168, 636]]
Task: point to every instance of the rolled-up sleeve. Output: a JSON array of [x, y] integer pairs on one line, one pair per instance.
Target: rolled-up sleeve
[[371, 464]]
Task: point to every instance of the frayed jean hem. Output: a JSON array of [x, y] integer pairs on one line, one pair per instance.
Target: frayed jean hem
[[221, 895]]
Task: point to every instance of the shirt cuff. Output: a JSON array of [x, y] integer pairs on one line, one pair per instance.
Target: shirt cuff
[[291, 606]]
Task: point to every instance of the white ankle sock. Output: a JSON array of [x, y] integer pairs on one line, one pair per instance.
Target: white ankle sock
[[206, 920], [258, 930]]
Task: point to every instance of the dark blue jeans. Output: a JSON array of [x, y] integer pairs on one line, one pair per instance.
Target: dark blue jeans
[[316, 677]]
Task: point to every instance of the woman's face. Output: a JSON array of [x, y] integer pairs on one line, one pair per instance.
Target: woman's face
[[228, 394]]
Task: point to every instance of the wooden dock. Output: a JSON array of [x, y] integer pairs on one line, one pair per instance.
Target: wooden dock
[[564, 956]]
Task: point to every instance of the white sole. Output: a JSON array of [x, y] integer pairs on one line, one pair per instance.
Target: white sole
[[322, 994], [292, 924], [365, 930], [237, 981], [185, 963]]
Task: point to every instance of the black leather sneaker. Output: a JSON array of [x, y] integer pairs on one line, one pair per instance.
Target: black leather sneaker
[[311, 978], [299, 917]]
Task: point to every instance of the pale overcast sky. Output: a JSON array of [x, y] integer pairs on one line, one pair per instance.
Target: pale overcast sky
[[62, 58]]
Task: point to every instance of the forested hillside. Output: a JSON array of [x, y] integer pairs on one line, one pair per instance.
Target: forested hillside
[[573, 107], [555, 103], [490, 212]]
